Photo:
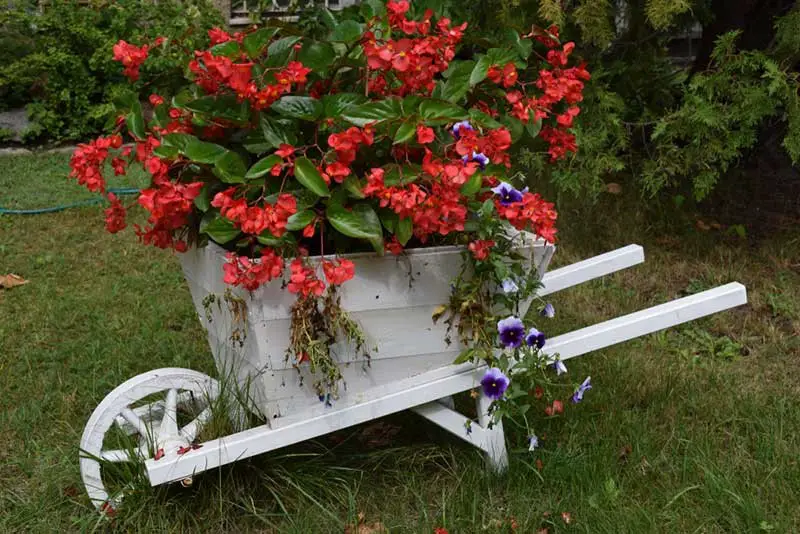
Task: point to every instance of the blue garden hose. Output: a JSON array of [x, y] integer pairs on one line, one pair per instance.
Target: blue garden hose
[[62, 207]]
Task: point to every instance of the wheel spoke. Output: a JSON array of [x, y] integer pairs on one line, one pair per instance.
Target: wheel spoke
[[135, 421], [169, 423], [190, 431], [153, 411]]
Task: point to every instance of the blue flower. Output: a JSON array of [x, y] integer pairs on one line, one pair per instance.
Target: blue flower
[[535, 337], [458, 126], [560, 368], [511, 332], [583, 388], [494, 383], [481, 158], [533, 442], [508, 195], [509, 286], [548, 311]]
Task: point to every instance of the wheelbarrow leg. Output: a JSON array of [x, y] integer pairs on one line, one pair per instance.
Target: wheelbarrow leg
[[490, 440], [495, 441]]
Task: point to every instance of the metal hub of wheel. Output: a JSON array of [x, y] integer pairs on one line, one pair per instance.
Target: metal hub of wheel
[[151, 415]]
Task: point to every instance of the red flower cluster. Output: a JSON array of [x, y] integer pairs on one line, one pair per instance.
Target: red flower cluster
[[493, 144], [303, 280], [131, 57], [115, 215], [249, 274], [338, 271], [169, 205], [507, 75], [88, 159], [480, 248], [255, 219], [413, 61], [212, 73], [531, 212], [346, 143]]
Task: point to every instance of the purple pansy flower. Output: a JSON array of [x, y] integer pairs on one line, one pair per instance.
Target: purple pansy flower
[[533, 442], [458, 126], [511, 332], [548, 311], [508, 195], [494, 383], [560, 368], [535, 337], [583, 388], [477, 157], [509, 286]]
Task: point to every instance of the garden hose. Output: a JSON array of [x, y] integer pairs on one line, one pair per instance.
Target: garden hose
[[62, 207]]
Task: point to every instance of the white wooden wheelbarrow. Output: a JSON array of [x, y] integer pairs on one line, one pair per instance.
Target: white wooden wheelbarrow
[[393, 300]]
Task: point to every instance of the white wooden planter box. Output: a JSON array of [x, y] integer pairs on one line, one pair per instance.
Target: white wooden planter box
[[392, 298]]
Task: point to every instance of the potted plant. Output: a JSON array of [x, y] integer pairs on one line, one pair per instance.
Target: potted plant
[[343, 204]]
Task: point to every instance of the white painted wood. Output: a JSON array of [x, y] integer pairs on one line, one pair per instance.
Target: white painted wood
[[117, 404], [595, 267], [389, 297], [647, 321], [426, 388]]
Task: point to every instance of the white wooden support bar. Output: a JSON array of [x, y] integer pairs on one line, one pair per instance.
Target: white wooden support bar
[[595, 267], [429, 387], [647, 321]]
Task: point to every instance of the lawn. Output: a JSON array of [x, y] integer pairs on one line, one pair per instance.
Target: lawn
[[690, 430]]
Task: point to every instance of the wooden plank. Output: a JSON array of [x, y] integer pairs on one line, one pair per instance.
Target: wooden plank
[[427, 388], [582, 271]]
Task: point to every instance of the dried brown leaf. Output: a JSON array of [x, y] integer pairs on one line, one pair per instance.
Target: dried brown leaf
[[614, 188], [7, 281]]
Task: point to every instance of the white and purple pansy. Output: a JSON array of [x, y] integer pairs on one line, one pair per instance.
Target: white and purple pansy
[[535, 338], [508, 195], [583, 388], [511, 331], [548, 311], [459, 126], [494, 383]]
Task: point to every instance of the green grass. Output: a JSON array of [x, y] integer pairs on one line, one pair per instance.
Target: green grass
[[691, 430]]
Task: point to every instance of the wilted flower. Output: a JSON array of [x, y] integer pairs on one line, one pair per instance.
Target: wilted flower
[[511, 332], [509, 286], [508, 195], [534, 338], [583, 388], [548, 311], [494, 383], [533, 442], [560, 368]]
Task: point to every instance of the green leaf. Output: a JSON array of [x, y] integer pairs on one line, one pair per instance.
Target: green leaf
[[230, 167], [255, 43], [203, 200], [347, 31], [404, 230], [308, 175], [255, 143], [278, 51], [405, 133], [223, 107], [300, 220], [374, 112], [361, 223], [227, 49], [275, 132], [395, 174], [441, 109], [533, 126], [177, 140], [335, 105], [480, 118], [317, 56], [298, 107], [327, 17], [203, 152], [262, 167], [457, 84], [166, 151], [218, 228], [377, 8], [473, 185], [501, 56], [479, 72], [354, 187], [135, 121]]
